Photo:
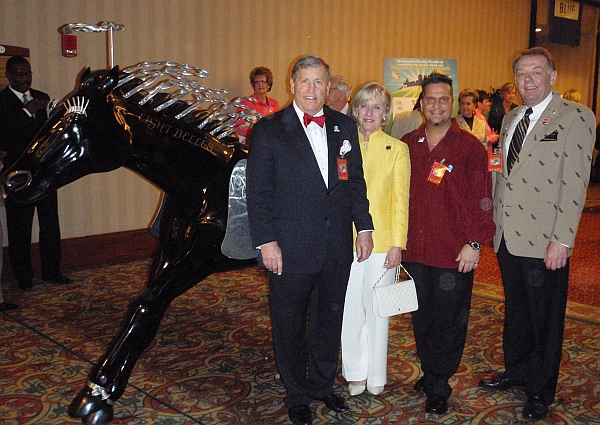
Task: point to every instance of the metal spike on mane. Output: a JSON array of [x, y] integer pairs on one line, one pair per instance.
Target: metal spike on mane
[[176, 80]]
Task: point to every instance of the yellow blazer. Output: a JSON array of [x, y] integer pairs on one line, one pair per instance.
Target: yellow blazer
[[386, 165]]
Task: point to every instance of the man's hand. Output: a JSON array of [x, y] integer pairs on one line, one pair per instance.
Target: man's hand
[[364, 246], [556, 256], [468, 259], [35, 105], [271, 257]]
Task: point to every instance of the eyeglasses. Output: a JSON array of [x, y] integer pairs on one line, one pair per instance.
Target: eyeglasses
[[258, 82]]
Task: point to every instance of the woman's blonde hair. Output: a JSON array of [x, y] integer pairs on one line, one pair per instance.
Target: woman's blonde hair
[[367, 92]]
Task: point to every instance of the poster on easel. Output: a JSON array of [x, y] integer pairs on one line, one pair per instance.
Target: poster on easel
[[404, 76], [5, 53]]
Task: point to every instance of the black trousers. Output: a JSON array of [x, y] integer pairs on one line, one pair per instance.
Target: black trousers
[[307, 312], [536, 301], [19, 221], [440, 324]]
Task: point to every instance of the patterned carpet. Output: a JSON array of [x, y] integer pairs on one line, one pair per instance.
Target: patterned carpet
[[212, 362], [584, 286]]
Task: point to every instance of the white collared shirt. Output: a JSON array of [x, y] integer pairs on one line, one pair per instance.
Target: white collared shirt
[[317, 136], [20, 96], [533, 119]]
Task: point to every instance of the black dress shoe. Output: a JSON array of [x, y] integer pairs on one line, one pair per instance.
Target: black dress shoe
[[535, 408], [436, 404], [58, 280], [501, 382], [4, 306], [335, 402], [300, 415], [420, 384]]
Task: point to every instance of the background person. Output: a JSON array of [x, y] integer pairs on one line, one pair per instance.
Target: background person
[[338, 97], [539, 197], [386, 164], [481, 111], [501, 105], [305, 190], [22, 114], [261, 80], [572, 95], [450, 215], [407, 121], [467, 102]]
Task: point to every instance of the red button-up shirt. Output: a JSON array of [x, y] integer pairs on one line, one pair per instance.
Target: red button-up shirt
[[443, 217]]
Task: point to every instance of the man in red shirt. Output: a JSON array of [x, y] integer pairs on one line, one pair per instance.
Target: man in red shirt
[[450, 215]]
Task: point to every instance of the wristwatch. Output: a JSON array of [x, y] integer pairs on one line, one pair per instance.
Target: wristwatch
[[475, 245]]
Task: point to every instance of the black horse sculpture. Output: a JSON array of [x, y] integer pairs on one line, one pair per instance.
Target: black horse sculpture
[[154, 119]]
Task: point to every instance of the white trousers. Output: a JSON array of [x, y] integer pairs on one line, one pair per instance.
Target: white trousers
[[365, 334]]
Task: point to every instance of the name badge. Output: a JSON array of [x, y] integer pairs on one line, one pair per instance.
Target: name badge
[[437, 172], [342, 166], [494, 160]]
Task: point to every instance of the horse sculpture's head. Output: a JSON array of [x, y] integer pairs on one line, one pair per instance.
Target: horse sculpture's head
[[95, 130], [85, 134]]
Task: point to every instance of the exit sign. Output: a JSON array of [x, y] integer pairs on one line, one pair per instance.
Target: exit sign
[[566, 9]]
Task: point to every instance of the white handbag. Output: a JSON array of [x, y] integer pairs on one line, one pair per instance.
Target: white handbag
[[396, 298]]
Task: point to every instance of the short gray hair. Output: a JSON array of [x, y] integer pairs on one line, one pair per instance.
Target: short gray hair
[[310, 62]]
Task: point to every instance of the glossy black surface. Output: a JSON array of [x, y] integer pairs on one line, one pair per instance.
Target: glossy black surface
[[189, 164]]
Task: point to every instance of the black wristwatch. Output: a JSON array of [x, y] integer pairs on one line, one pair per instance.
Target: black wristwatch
[[475, 245]]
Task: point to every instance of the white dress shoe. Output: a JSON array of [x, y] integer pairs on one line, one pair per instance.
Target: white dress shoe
[[375, 390], [356, 387]]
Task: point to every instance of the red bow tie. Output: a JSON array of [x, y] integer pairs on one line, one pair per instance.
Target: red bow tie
[[320, 120]]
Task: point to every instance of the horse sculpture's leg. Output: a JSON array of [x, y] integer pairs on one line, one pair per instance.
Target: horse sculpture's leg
[[189, 255]]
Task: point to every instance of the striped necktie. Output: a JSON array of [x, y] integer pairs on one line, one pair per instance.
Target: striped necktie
[[517, 140]]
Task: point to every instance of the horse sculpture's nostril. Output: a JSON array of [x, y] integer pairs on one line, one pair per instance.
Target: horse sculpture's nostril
[[18, 180]]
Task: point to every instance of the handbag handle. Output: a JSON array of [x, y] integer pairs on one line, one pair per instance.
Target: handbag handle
[[399, 269]]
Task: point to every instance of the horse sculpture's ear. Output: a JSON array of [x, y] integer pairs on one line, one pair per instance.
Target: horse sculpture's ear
[[85, 73], [111, 80]]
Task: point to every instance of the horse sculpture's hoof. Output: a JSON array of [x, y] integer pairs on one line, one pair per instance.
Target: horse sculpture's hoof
[[102, 416], [86, 403]]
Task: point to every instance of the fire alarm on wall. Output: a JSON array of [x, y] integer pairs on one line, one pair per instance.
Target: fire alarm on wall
[[69, 45]]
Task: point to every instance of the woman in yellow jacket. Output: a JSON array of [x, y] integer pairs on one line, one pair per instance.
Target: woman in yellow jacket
[[386, 164]]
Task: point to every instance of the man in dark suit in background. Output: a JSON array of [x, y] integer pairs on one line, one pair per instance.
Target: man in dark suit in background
[[539, 195], [305, 189], [22, 114]]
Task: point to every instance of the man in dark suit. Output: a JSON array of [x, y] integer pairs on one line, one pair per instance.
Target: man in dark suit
[[305, 189], [539, 195], [22, 114]]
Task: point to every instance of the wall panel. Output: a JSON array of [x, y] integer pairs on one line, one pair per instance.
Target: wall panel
[[230, 37]]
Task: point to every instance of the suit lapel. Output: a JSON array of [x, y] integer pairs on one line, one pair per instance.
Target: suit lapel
[[545, 121], [333, 146], [299, 141]]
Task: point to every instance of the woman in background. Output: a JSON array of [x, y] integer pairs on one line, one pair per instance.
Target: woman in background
[[503, 104], [261, 79], [467, 102], [481, 111], [386, 164]]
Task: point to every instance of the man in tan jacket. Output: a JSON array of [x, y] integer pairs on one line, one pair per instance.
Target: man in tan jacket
[[539, 195]]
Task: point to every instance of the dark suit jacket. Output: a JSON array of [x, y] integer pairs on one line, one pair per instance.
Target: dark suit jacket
[[17, 128], [288, 200]]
